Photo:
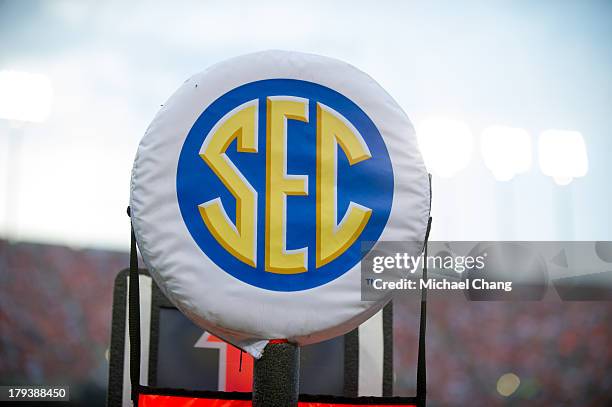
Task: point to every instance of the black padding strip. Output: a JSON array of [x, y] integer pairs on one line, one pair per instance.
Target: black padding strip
[[351, 363], [117, 344], [387, 384]]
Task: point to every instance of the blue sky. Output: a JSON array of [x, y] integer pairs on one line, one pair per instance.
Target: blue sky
[[533, 65]]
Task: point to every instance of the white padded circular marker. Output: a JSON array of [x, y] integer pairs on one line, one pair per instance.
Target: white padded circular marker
[[208, 283]]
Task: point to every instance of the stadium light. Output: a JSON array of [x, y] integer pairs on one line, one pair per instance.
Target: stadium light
[[506, 151], [25, 97], [562, 155], [446, 145]]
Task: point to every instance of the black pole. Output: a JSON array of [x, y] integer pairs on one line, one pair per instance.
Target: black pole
[[134, 318], [276, 376], [421, 383]]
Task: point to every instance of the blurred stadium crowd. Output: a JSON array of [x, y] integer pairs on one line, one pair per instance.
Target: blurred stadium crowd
[[560, 351], [55, 314], [55, 308]]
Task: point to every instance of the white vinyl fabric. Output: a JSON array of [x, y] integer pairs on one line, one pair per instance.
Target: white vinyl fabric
[[242, 314]]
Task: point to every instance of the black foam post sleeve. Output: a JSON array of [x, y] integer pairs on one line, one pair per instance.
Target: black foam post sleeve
[[276, 376]]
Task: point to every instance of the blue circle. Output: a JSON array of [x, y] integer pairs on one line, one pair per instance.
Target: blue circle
[[368, 183]]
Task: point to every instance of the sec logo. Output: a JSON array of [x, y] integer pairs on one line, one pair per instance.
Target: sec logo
[[261, 184], [281, 181]]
